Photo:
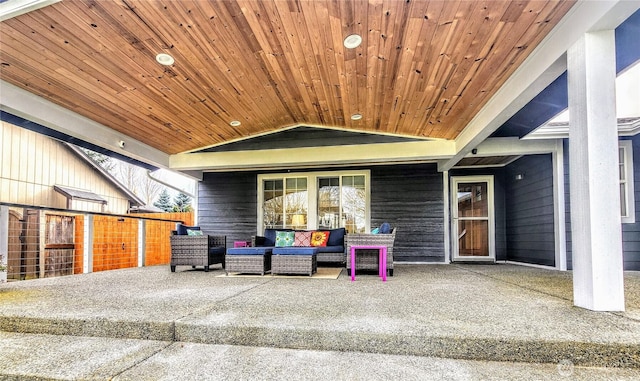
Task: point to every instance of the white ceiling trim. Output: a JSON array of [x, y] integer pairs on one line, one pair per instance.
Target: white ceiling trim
[[14, 8], [370, 154]]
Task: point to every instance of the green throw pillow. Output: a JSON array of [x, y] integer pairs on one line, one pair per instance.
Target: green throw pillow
[[285, 239], [194, 232]]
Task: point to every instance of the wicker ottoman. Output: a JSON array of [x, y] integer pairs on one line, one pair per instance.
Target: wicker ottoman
[[248, 260], [294, 260]]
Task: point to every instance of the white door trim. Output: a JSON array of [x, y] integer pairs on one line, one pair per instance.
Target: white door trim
[[455, 180]]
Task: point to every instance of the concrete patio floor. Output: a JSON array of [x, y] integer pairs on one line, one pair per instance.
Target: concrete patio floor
[[427, 322]]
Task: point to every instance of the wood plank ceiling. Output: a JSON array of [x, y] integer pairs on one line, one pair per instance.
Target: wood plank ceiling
[[424, 68]]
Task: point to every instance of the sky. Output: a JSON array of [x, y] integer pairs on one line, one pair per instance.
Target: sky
[[627, 95]]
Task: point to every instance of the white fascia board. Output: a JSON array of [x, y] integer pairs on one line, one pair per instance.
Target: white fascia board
[[14, 8], [543, 66], [514, 146], [407, 152], [29, 106]]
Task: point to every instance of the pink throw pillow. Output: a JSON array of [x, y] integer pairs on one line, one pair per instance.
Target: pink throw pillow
[[302, 239]]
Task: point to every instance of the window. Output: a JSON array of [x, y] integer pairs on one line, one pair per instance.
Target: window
[[627, 199], [314, 200], [284, 202], [341, 203]]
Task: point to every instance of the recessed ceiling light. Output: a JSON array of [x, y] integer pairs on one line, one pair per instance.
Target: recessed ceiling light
[[165, 59], [352, 41], [356, 116], [235, 123]]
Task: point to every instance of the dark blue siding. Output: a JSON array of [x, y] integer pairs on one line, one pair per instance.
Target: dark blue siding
[[529, 211], [409, 197], [631, 232], [307, 137], [227, 204]]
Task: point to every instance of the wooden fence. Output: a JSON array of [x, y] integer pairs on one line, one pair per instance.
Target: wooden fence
[[52, 242]]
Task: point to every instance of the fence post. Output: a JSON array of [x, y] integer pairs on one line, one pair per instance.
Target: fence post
[[4, 242], [87, 257], [142, 241]]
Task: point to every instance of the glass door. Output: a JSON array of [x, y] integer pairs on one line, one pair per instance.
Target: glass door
[[472, 218]]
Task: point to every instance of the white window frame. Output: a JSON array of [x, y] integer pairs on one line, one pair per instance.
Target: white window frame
[[627, 164], [312, 193]]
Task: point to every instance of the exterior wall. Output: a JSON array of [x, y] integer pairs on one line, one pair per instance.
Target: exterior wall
[[33, 163], [630, 232], [409, 197], [228, 205], [530, 211]]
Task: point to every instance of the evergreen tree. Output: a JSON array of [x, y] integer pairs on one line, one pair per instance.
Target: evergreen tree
[[182, 203], [103, 160], [164, 201]]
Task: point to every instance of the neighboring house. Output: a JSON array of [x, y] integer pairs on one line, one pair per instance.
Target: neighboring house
[[40, 171], [40, 180]]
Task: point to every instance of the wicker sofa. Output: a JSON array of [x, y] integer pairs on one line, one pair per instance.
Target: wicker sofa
[[196, 250], [368, 259], [332, 253]]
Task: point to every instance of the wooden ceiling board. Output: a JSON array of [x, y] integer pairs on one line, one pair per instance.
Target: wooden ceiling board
[[424, 68]]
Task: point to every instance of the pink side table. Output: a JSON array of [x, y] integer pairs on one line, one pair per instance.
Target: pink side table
[[382, 269]]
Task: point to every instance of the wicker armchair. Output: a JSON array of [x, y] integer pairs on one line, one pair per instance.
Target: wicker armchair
[[197, 250], [368, 259]]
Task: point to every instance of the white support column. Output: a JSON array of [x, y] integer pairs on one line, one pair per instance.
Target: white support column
[[447, 217], [87, 257], [559, 209], [595, 187], [4, 241], [142, 242]]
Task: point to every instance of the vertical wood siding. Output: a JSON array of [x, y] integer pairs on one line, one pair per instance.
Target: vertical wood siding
[[409, 197], [33, 163], [529, 211]]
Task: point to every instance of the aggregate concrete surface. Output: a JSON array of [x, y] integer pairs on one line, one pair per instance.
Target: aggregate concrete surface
[[454, 322]]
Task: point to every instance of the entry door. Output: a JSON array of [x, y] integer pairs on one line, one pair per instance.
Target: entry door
[[473, 218]]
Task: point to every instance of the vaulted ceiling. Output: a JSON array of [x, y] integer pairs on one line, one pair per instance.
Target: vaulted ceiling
[[424, 68]]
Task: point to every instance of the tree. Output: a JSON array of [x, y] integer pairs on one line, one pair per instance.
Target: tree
[[182, 203], [164, 201], [103, 160]]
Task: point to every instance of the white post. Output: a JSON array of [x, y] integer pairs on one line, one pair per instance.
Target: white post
[[559, 209], [598, 282], [87, 257], [447, 217], [42, 233], [142, 241], [4, 242]]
